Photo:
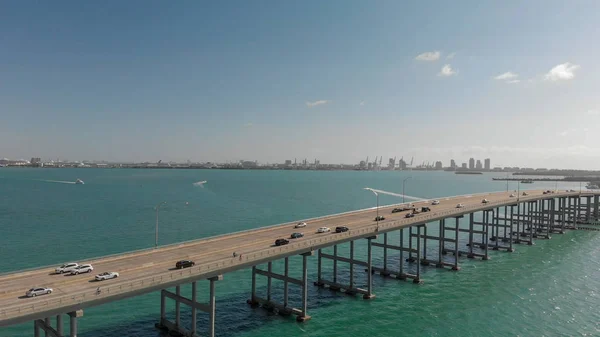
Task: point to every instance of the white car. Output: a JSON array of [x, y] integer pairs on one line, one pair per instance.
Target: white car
[[84, 268], [435, 202], [512, 195], [66, 268], [323, 230], [460, 206], [484, 201], [300, 225], [33, 292], [106, 276]]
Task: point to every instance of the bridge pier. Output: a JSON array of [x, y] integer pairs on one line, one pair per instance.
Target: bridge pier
[[45, 325], [484, 230], [350, 288], [401, 248], [500, 242], [175, 328], [271, 305]]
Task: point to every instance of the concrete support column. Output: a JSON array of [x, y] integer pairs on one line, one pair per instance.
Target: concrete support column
[[36, 329], [510, 239], [385, 242], [486, 233], [194, 310], [369, 270], [596, 205], [212, 303], [286, 272], [178, 308], [470, 255], [410, 245], [456, 231], [563, 214], [59, 325], [351, 264], [588, 209], [319, 268], [163, 314], [417, 279], [335, 264], [401, 262], [73, 321], [441, 245], [269, 281], [305, 316], [530, 219], [253, 298], [423, 259]]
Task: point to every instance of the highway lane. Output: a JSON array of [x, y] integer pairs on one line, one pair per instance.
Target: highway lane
[[147, 263]]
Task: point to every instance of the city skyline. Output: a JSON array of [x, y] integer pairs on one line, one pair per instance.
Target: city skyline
[[335, 80]]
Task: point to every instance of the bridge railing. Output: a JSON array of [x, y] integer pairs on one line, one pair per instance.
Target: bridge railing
[[168, 277]]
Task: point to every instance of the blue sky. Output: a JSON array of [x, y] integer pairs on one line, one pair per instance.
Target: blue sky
[[273, 80]]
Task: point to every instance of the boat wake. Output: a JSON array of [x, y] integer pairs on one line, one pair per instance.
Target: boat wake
[[397, 194], [57, 181], [200, 183]]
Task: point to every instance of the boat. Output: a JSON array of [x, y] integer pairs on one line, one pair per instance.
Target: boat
[[591, 186], [79, 182], [527, 181]]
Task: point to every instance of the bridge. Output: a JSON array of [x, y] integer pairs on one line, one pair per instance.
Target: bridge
[[507, 220]]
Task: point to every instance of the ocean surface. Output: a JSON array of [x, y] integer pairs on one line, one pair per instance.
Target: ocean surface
[[550, 289]]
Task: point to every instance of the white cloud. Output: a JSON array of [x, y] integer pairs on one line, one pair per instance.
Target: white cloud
[[513, 81], [509, 75], [447, 71], [593, 112], [315, 103], [565, 71], [451, 56], [362, 102], [428, 56]]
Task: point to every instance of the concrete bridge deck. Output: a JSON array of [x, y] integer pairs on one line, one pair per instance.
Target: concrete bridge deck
[[151, 270]]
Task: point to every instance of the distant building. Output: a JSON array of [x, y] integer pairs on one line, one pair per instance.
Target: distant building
[[402, 164], [35, 160], [392, 163], [288, 163], [471, 163], [438, 165], [452, 164], [487, 165], [478, 165], [464, 165], [249, 164]]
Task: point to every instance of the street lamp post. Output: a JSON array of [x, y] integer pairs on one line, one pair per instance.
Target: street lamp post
[[403, 184], [156, 233]]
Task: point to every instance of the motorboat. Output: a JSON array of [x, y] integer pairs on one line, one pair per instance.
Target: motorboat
[[79, 182]]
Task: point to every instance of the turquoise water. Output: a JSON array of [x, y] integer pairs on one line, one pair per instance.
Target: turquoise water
[[550, 289]]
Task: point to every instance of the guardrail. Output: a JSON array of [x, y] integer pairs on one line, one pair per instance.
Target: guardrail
[[274, 252]]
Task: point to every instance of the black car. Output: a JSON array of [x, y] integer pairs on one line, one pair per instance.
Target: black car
[[184, 264], [281, 242], [296, 235], [341, 229], [379, 218], [425, 209], [409, 215]]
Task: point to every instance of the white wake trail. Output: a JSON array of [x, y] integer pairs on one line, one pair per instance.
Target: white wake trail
[[396, 194]]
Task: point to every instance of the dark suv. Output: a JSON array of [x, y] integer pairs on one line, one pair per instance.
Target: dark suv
[[184, 264], [296, 235], [341, 229], [425, 209], [379, 218], [281, 242]]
